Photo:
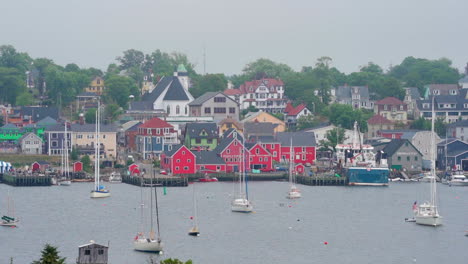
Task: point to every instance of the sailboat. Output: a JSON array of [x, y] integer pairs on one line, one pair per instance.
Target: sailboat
[[9, 219], [241, 203], [294, 192], [427, 213], [150, 243], [99, 191], [65, 168], [194, 231]]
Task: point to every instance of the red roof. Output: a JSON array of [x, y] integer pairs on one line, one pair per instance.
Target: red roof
[[378, 119], [268, 82], [390, 101], [288, 108], [232, 91], [296, 110], [155, 123]]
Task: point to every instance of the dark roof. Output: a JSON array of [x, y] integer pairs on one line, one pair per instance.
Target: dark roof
[[174, 149], [205, 97], [148, 99], [230, 131], [344, 92], [10, 126], [394, 145], [176, 91], [47, 121], [250, 145], [414, 92], [447, 141], [194, 130], [92, 128], [306, 139], [40, 112], [208, 157], [459, 101], [259, 128], [462, 123], [134, 127], [266, 139]]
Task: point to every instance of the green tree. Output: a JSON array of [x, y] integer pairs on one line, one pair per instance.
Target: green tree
[[307, 121], [11, 84], [421, 124], [208, 83], [333, 137], [440, 127], [25, 99], [111, 112], [50, 255], [10, 58], [74, 155], [119, 88], [345, 115], [90, 116], [265, 68], [175, 261], [86, 163], [372, 67], [131, 58]]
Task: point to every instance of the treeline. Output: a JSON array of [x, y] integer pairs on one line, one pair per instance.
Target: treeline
[[311, 85]]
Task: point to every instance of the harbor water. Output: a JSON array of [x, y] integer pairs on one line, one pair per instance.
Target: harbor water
[[329, 224]]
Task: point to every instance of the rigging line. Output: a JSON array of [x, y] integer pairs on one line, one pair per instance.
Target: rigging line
[[157, 209]]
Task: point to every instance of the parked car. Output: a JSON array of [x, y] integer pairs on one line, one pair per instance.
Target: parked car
[[281, 168], [163, 172]]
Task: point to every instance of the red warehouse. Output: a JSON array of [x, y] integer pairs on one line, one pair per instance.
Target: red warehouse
[[303, 145], [179, 160]]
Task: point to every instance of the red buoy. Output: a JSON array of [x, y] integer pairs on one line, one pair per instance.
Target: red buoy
[[326, 243], [191, 217]]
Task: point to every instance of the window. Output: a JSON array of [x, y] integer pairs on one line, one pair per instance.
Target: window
[[183, 152], [178, 161], [177, 110], [228, 151], [186, 109], [251, 159], [436, 92], [275, 153], [385, 107], [401, 107], [303, 157], [177, 168], [207, 110], [407, 158], [220, 110], [303, 149], [100, 251], [266, 158], [416, 158], [54, 143], [185, 168], [87, 252], [168, 109], [426, 105], [218, 168], [453, 92], [260, 159], [257, 151], [158, 131], [198, 141], [79, 136], [232, 110], [220, 99], [399, 158], [209, 141], [54, 135], [189, 160], [158, 140]]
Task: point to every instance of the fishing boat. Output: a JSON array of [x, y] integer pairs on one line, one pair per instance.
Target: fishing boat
[[64, 166], [194, 231], [361, 164], [98, 191], [9, 219], [458, 179], [115, 178], [150, 243], [427, 213], [208, 179], [241, 201], [293, 192]]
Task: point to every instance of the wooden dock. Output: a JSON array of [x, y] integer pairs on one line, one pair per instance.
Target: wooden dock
[[322, 180], [160, 180], [26, 180], [235, 176]]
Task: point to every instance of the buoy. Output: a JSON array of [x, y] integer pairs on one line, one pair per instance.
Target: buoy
[[290, 227], [290, 206], [191, 217], [164, 190], [298, 220], [326, 243]]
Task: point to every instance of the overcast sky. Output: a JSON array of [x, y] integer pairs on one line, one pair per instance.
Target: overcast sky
[[236, 32]]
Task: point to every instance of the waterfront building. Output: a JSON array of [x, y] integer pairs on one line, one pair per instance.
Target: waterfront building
[[155, 136], [54, 137], [377, 123], [201, 136], [209, 162], [402, 155], [92, 253], [259, 157], [215, 104], [264, 117], [452, 154], [255, 130], [84, 139], [179, 160], [230, 149], [303, 145], [30, 144], [458, 130]]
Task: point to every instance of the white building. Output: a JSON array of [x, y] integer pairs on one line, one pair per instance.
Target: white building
[[321, 134]]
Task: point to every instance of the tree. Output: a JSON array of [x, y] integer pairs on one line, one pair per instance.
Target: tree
[[371, 67], [90, 116], [11, 84], [50, 255], [440, 127], [344, 116], [74, 154], [119, 88], [131, 58], [86, 163], [306, 121], [333, 137], [421, 124], [111, 112], [208, 83], [9, 58], [25, 99], [265, 68], [175, 261]]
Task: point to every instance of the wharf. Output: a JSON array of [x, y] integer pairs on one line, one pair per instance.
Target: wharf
[[235, 176], [159, 180], [27, 180], [323, 180]]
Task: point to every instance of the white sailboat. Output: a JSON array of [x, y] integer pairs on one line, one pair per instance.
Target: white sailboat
[[99, 191], [427, 213], [241, 203], [64, 180], [10, 218], [194, 231], [150, 243], [294, 192]]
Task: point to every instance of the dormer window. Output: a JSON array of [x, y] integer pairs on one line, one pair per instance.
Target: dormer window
[[401, 107], [426, 105], [385, 107], [465, 105], [453, 92], [435, 92]]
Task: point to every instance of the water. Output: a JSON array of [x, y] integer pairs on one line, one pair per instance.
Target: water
[[360, 224]]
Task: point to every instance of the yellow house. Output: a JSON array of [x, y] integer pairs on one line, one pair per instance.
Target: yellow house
[[84, 138], [227, 123], [96, 86], [264, 117]]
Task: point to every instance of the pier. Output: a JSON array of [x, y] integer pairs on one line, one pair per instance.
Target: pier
[[27, 180], [160, 180], [323, 180]]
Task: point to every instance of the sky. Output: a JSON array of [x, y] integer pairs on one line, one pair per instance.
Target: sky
[[92, 33]]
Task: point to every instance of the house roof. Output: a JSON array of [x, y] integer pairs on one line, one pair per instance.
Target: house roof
[[444, 89], [9, 126], [47, 121], [252, 117], [296, 110], [394, 145], [130, 124], [459, 102], [203, 98], [268, 82], [289, 107], [148, 99], [92, 128], [447, 141], [208, 157], [266, 139], [414, 93], [225, 142], [462, 123], [155, 122], [232, 91], [28, 134], [345, 92], [174, 149], [378, 119], [193, 130], [38, 112], [306, 139], [259, 128], [229, 120], [176, 91], [390, 101]]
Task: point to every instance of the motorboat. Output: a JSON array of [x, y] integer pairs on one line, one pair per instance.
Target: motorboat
[[208, 179], [294, 192], [458, 179], [241, 205], [115, 178]]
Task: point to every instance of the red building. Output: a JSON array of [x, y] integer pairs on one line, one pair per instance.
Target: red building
[[179, 160], [260, 158], [77, 166], [303, 146], [209, 162], [274, 148], [230, 150]]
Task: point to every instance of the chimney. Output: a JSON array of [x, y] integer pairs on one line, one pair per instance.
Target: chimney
[[82, 120]]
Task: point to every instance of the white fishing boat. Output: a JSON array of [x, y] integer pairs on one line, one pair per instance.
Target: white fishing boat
[[458, 179], [10, 218], [65, 179], [428, 177], [293, 192], [115, 178], [98, 191], [428, 213], [150, 243], [241, 202], [194, 231]]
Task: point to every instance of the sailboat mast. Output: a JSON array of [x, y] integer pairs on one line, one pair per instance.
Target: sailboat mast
[[151, 204], [157, 209], [195, 206], [433, 172], [98, 122], [65, 155], [241, 168], [291, 160], [96, 154], [245, 172]]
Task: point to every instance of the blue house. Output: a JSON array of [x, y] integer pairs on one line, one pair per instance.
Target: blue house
[[452, 154]]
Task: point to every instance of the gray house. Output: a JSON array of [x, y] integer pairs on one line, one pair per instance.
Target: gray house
[[92, 253], [30, 144], [356, 96], [215, 104], [402, 155]]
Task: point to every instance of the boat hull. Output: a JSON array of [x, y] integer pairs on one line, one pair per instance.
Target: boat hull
[[458, 183], [293, 195], [363, 176], [64, 183], [13, 223], [208, 180], [148, 245], [100, 194], [429, 220], [241, 206]]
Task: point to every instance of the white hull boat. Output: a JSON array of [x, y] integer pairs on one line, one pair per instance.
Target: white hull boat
[[294, 193], [241, 205], [64, 183], [458, 180], [148, 245], [115, 178], [6, 223], [100, 194]]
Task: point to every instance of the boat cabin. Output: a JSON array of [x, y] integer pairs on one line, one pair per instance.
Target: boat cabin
[[92, 253]]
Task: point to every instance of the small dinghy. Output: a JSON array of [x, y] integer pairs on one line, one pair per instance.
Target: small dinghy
[[410, 219]]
